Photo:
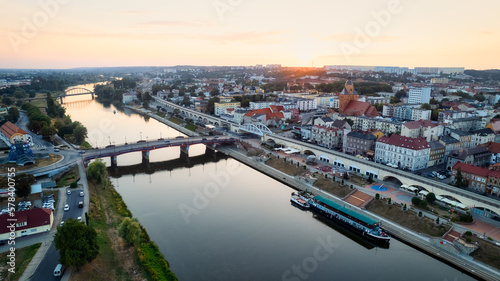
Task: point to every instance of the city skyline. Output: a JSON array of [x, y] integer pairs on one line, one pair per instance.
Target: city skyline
[[66, 34]]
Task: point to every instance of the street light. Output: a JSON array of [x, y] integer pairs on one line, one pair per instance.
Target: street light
[[109, 139]]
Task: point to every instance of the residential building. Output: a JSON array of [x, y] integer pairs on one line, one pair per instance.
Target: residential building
[[220, 108], [327, 136], [307, 104], [477, 156], [364, 123], [465, 124], [405, 152], [418, 114], [450, 143], [303, 133], [463, 137], [480, 180], [11, 133], [495, 126], [419, 95], [430, 130], [359, 143], [201, 106], [494, 149], [34, 221], [482, 136], [261, 104], [437, 153], [323, 121], [440, 80]]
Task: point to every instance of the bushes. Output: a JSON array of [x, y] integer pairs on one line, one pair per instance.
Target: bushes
[[417, 202], [377, 196]]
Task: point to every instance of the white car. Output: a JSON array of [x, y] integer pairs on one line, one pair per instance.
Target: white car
[[68, 192], [62, 222], [79, 218], [66, 207], [81, 193]]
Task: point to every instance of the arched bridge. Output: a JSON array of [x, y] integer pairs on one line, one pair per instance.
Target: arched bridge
[[146, 146], [481, 205], [76, 91]]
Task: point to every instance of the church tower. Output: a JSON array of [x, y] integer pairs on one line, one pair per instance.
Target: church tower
[[348, 94]]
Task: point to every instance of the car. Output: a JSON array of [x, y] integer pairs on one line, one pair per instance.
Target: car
[[62, 222], [56, 149], [79, 218], [80, 204], [68, 192], [66, 207], [81, 193]]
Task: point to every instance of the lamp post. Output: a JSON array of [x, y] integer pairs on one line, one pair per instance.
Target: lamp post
[[109, 139]]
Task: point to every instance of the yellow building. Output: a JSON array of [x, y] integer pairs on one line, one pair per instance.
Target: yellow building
[[220, 108]]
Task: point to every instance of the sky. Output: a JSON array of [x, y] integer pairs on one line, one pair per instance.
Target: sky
[[69, 33]]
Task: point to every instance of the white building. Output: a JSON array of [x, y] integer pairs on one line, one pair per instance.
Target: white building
[[307, 104], [129, 97], [419, 95], [405, 152], [261, 104], [420, 114], [34, 221], [220, 108]]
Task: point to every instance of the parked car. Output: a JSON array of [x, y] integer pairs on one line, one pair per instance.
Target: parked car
[[68, 192], [66, 207], [81, 194], [80, 204]]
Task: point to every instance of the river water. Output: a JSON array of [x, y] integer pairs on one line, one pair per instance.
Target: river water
[[225, 221]]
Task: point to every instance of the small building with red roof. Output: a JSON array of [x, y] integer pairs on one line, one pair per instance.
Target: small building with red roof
[[23, 223], [11, 133], [479, 179]]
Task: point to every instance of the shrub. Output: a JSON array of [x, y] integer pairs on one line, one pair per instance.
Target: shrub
[[73, 185], [342, 181], [420, 214], [416, 201], [389, 201], [489, 238], [468, 233], [404, 207], [437, 220], [352, 186], [377, 196], [423, 204]]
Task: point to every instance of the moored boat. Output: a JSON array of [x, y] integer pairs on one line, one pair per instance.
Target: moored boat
[[363, 225], [299, 200]]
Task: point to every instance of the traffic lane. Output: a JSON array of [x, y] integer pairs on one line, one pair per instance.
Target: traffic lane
[[72, 200], [45, 270]]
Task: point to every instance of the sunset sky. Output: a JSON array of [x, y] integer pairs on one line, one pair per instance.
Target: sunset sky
[[242, 32]]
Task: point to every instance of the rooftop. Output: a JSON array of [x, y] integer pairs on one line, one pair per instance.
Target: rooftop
[[406, 142]]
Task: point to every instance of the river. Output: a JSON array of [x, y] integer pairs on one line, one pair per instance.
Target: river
[[225, 221]]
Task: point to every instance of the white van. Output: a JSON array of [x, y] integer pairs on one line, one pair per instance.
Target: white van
[[59, 270]]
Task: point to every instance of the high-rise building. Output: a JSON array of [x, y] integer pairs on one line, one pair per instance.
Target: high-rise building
[[419, 95]]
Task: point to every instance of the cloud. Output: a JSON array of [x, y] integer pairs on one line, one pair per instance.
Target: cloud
[[350, 37], [172, 23]]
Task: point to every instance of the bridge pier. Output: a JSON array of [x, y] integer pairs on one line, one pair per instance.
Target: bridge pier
[[92, 95], [210, 150], [114, 161], [60, 99], [185, 152], [145, 157]]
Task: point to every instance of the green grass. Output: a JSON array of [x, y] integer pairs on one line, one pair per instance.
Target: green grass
[[23, 258], [175, 120], [68, 178], [161, 114], [191, 127]]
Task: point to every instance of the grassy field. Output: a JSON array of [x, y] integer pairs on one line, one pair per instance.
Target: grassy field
[[175, 120], [334, 188], [23, 258], [408, 219], [191, 127], [285, 167], [38, 163], [486, 253]]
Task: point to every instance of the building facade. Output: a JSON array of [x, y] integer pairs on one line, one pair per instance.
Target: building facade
[[359, 143], [419, 95], [406, 153]]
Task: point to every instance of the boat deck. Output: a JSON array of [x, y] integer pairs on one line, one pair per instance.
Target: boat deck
[[346, 211]]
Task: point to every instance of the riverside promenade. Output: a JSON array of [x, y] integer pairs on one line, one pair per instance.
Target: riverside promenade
[[418, 241]]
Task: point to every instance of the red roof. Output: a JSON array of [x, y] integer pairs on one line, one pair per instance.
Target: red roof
[[421, 123], [493, 147], [357, 108], [9, 129], [406, 142], [34, 218], [275, 108], [471, 169]]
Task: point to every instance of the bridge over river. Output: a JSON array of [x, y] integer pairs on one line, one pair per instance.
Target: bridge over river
[[145, 147]]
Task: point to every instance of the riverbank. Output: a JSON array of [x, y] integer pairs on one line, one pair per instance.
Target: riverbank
[[420, 242], [116, 259]]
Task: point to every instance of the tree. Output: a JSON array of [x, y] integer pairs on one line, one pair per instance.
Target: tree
[[425, 106], [97, 171], [430, 197], [214, 92], [433, 101], [459, 178], [7, 101], [416, 201], [130, 231], [77, 243], [434, 115], [80, 133], [23, 184]]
